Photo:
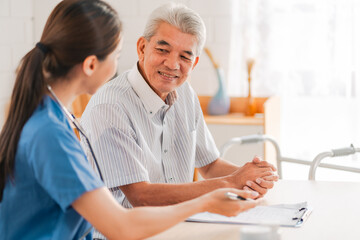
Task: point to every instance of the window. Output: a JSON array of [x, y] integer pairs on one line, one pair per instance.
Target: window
[[308, 52]]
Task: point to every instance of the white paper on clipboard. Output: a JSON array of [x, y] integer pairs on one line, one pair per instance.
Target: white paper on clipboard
[[286, 215]]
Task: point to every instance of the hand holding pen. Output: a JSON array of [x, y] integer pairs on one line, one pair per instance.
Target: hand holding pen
[[219, 202], [234, 196]]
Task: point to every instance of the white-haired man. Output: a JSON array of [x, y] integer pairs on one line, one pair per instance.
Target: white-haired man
[[147, 126]]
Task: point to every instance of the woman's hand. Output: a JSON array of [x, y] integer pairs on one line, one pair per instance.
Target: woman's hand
[[217, 202]]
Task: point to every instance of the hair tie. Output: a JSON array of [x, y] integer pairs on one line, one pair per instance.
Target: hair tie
[[42, 47]]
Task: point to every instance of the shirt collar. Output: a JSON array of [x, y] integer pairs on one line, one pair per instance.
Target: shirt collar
[[151, 101]]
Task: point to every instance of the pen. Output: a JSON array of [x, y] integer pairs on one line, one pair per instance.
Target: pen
[[234, 196]]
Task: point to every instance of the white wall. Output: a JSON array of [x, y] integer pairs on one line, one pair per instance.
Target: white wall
[[22, 22], [16, 29]]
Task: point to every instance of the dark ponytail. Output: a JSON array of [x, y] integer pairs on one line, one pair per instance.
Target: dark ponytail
[[74, 30]]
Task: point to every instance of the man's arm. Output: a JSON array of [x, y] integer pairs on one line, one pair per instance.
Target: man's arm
[[218, 168], [158, 194]]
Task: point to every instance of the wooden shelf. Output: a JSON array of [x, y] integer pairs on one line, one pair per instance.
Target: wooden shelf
[[235, 119], [236, 116]]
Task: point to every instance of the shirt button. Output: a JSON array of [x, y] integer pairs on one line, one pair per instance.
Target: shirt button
[[150, 112], [171, 179], [165, 151]]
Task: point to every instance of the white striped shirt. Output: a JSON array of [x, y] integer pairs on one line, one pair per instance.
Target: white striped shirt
[[137, 137]]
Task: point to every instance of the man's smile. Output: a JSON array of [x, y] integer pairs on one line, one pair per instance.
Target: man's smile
[[168, 76]]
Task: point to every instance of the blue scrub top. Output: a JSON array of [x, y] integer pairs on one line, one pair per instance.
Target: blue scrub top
[[51, 172]]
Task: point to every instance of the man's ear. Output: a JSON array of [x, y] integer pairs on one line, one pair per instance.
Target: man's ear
[[89, 65], [195, 63], [141, 48]]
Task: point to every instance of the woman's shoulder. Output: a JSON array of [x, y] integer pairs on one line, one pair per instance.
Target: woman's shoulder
[[47, 121]]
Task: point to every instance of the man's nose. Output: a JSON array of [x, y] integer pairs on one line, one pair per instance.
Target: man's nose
[[172, 62]]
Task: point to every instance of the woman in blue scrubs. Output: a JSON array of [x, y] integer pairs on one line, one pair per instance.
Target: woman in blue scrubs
[[48, 190]]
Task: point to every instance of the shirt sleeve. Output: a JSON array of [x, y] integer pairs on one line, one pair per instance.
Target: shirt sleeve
[[60, 165], [206, 150], [115, 145]]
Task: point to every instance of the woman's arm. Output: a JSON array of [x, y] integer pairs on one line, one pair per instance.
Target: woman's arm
[[115, 222]]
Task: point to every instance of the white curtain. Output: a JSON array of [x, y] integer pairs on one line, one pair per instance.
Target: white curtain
[[307, 52]]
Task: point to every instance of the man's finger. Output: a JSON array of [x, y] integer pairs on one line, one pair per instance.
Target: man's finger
[[271, 178], [254, 186], [257, 160], [264, 184], [266, 164], [267, 173]]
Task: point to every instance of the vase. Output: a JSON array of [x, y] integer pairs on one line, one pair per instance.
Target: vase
[[220, 103]]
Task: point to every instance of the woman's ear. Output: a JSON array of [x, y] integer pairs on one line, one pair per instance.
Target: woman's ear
[[89, 65]]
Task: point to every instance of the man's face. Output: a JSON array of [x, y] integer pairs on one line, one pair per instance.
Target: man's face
[[167, 59]]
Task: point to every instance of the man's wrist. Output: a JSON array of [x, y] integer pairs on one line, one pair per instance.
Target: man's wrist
[[230, 181]]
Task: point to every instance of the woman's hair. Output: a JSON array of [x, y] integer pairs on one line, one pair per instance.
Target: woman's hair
[[74, 30], [180, 16]]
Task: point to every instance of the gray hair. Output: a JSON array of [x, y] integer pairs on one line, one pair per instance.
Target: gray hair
[[180, 16]]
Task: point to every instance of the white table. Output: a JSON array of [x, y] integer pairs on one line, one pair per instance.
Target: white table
[[335, 216]]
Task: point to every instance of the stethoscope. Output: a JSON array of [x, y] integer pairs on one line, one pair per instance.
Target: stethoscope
[[77, 125]]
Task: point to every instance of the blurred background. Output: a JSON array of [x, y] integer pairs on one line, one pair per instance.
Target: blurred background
[[305, 52]]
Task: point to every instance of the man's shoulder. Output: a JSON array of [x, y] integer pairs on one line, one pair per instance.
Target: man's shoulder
[[112, 91], [111, 99]]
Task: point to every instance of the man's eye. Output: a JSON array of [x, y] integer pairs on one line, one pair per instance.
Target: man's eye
[[161, 50], [185, 58]]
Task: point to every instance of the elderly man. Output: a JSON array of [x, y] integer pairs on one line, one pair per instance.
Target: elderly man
[[147, 126]]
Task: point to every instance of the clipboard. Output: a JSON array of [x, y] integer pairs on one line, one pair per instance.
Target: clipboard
[[284, 215]]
